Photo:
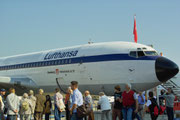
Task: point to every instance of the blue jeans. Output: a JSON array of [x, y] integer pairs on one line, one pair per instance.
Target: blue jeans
[[137, 116], [127, 113], [57, 113], [1, 116], [170, 113], [74, 117]]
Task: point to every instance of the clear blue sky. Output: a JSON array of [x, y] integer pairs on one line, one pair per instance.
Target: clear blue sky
[[35, 25]]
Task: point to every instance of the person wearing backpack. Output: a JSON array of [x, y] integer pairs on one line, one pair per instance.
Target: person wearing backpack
[[152, 106], [25, 108]]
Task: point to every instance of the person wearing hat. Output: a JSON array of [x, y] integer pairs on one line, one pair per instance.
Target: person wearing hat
[[3, 102], [2, 94]]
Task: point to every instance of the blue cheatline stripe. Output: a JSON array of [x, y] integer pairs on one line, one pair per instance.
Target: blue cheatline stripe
[[85, 59]]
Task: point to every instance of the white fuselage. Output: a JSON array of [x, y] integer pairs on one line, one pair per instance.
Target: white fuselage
[[97, 67]]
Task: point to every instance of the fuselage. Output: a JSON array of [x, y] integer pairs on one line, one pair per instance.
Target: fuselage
[[97, 67]]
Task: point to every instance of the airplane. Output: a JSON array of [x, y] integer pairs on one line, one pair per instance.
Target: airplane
[[97, 67]]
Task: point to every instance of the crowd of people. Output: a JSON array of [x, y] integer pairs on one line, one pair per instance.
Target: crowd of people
[[127, 105], [27, 107]]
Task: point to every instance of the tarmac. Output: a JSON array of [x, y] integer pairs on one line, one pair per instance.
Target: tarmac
[[97, 116]]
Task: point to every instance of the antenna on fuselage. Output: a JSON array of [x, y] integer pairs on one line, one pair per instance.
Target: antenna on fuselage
[[151, 46], [90, 41]]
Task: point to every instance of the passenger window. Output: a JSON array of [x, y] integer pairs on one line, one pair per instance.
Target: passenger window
[[55, 62], [66, 61], [36, 65], [59, 62], [69, 60], [133, 54]]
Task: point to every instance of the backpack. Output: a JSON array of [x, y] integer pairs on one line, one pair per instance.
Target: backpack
[[25, 105], [82, 111], [155, 107]]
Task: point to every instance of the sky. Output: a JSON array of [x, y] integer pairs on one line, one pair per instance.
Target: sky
[[36, 25]]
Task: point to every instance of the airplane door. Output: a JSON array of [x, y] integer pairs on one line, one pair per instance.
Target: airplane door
[[59, 82], [132, 69]]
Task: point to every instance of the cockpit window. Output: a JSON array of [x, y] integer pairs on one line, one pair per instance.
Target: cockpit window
[[141, 54], [150, 53], [136, 54], [133, 54]]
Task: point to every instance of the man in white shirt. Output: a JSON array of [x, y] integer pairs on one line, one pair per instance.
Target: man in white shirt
[[77, 100], [105, 106], [13, 104]]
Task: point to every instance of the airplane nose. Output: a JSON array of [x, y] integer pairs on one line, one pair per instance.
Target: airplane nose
[[165, 69]]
